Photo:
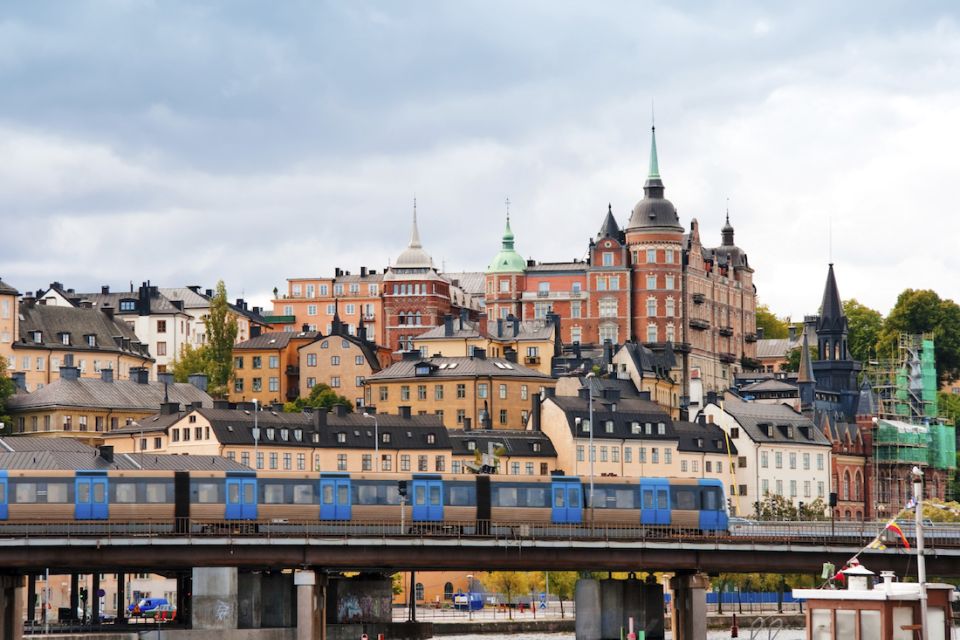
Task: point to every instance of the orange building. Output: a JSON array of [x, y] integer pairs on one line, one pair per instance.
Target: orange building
[[266, 368], [356, 298]]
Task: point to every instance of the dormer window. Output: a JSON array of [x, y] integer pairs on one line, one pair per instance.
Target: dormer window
[[608, 426], [315, 438], [635, 428], [91, 340], [284, 434], [789, 431], [648, 428], [423, 370], [38, 337], [270, 434], [298, 435], [65, 338], [536, 446], [700, 443], [385, 438], [341, 437], [128, 305], [431, 438], [471, 445], [661, 428]]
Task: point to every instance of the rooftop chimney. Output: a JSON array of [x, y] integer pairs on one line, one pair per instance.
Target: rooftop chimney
[[467, 423], [140, 375], [792, 332], [199, 380], [68, 371], [499, 327], [255, 330], [105, 289], [221, 404], [169, 408], [107, 311], [363, 272], [105, 452], [479, 353], [106, 374], [340, 410], [404, 412], [320, 418], [448, 325], [165, 378]]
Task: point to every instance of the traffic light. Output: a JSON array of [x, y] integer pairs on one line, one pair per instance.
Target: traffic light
[[402, 488], [83, 593]]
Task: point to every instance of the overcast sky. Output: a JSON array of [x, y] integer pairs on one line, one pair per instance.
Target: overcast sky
[[256, 141]]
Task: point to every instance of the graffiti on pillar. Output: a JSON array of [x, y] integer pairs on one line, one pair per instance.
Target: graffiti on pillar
[[222, 610], [363, 608]]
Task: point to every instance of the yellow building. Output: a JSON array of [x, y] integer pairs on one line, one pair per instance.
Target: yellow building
[[464, 391], [321, 441], [341, 361], [9, 332], [87, 408], [266, 368], [531, 343]]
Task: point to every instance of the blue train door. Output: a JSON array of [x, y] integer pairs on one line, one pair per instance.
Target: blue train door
[[427, 499], [90, 491], [654, 502], [567, 502], [711, 503], [241, 498], [335, 498], [3, 495]]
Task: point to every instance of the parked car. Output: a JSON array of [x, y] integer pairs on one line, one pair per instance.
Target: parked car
[[145, 606]]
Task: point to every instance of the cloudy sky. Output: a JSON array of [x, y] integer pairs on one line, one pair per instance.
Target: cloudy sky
[[256, 141]]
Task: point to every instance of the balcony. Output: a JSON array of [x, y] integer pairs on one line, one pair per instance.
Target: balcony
[[681, 347], [726, 331], [543, 294], [750, 337], [369, 317], [699, 298], [550, 295], [697, 323], [531, 360], [728, 358], [292, 370]]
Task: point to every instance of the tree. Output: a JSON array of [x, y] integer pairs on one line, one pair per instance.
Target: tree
[[793, 358], [865, 325], [776, 507], [562, 585], [7, 389], [321, 397], [773, 327], [191, 360], [508, 583], [923, 311], [221, 325]]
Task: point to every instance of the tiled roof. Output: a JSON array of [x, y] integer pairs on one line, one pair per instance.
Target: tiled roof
[[775, 347], [98, 394], [755, 417], [51, 321], [458, 367], [276, 339], [628, 411], [690, 434], [38, 443], [516, 443]]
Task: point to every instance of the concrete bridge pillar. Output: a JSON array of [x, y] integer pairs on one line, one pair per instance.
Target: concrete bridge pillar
[[586, 597], [249, 596], [689, 617], [611, 608], [311, 605], [11, 607], [215, 599]]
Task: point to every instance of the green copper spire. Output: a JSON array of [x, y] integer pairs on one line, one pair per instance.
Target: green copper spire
[[654, 164], [508, 236], [508, 260]]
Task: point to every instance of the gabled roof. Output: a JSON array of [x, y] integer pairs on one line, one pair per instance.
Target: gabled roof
[[471, 282], [68, 454], [693, 437], [276, 340], [112, 335], [755, 418], [95, 393], [159, 303], [628, 411], [775, 347], [368, 349], [769, 386], [645, 359], [531, 444], [457, 367]]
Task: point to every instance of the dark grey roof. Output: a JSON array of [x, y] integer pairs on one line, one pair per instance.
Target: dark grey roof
[[7, 289], [756, 417], [159, 303], [693, 437], [112, 335], [866, 404], [37, 443], [769, 386], [443, 367], [92, 460], [468, 329], [516, 443], [831, 308], [559, 266], [628, 411], [472, 282], [609, 228], [654, 211], [275, 339], [98, 394], [645, 359]]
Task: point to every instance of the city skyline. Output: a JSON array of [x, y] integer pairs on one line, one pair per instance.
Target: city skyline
[[184, 144]]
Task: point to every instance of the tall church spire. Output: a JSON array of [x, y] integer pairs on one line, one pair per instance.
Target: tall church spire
[[415, 234], [805, 373], [654, 172], [831, 308]]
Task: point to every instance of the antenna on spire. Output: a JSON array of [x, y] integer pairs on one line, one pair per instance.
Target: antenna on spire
[[653, 116], [507, 202], [728, 209], [830, 239]]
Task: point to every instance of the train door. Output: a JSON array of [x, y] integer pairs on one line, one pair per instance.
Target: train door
[[3, 495], [241, 498], [654, 502], [567, 502], [335, 498], [90, 491], [427, 499], [711, 507]]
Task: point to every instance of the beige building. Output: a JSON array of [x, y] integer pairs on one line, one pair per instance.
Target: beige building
[[342, 361], [9, 332], [655, 372], [479, 391]]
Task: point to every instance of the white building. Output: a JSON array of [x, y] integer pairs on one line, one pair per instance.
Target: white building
[[780, 452]]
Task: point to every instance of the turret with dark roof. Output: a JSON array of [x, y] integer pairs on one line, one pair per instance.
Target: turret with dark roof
[[610, 228], [832, 320], [654, 211]]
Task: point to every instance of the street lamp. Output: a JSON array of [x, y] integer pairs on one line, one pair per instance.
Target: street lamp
[[376, 440], [256, 434], [139, 442], [921, 561], [590, 377]]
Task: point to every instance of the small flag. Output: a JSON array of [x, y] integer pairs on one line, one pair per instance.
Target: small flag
[[893, 526], [840, 576]]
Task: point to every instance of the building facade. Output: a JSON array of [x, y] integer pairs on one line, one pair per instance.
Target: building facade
[[267, 368], [341, 361]]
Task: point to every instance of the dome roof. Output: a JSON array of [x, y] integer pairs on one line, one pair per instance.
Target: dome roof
[[654, 211], [414, 256], [507, 260]]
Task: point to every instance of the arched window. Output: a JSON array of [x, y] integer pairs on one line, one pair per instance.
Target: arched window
[[448, 591], [418, 591], [846, 486], [859, 516], [847, 515], [858, 486]]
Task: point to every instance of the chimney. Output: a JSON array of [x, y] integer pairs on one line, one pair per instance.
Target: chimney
[[106, 374], [499, 327], [702, 419], [199, 380], [466, 423], [239, 304], [363, 272], [404, 412], [68, 360], [140, 375], [143, 302], [644, 395], [759, 333], [711, 397], [208, 293], [221, 404], [535, 412], [19, 379], [106, 452], [516, 326], [320, 418], [165, 378], [107, 311], [792, 332], [105, 290], [304, 327], [68, 371], [607, 353], [479, 353], [447, 325], [255, 330], [409, 356], [463, 317], [169, 408], [196, 404], [576, 349], [510, 354], [340, 410]]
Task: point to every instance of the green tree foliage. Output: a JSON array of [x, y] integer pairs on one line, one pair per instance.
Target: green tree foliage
[[776, 507], [949, 404], [7, 389], [865, 325], [921, 311], [793, 358], [562, 585], [509, 584], [773, 327], [321, 397], [191, 360], [221, 327]]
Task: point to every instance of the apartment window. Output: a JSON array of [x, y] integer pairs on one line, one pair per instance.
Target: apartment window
[[351, 309], [161, 348], [779, 487], [366, 462], [384, 393], [338, 289], [341, 462], [161, 326], [405, 462], [575, 309], [615, 454], [608, 426], [274, 384], [423, 463], [257, 362], [667, 455], [793, 488], [311, 309], [608, 308], [668, 256], [245, 458], [576, 333], [440, 464], [421, 392], [238, 362], [651, 256], [820, 489], [358, 381], [274, 362], [358, 360], [503, 391], [819, 462], [708, 466], [515, 468], [806, 488], [579, 453], [793, 460], [335, 361], [461, 414], [764, 460], [651, 282], [669, 283], [482, 390], [503, 416], [461, 391], [335, 382], [287, 461], [652, 307], [806, 461], [627, 454], [642, 455], [608, 259], [654, 455], [301, 462], [311, 359], [258, 384], [671, 308], [778, 459], [259, 459], [764, 487], [652, 333], [438, 392], [404, 392]]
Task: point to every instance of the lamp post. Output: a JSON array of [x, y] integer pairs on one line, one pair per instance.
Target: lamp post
[[376, 440], [140, 441], [470, 596], [590, 377], [921, 561], [256, 434]]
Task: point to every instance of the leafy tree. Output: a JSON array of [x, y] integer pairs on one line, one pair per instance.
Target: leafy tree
[[949, 404], [793, 358], [221, 327], [776, 507], [7, 389], [922, 311], [396, 584], [508, 583], [773, 327], [191, 360], [865, 325], [562, 585], [321, 397]]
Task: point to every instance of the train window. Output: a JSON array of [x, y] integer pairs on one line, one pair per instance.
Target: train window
[[558, 497], [57, 492], [233, 493], [460, 495], [207, 492], [125, 492], [574, 497], [328, 494], [613, 498], [303, 494], [537, 497], [156, 492], [99, 492], [83, 492], [711, 499], [648, 499], [26, 492], [662, 500], [366, 494], [343, 494], [685, 498], [505, 497], [435, 495], [248, 488], [273, 493]]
